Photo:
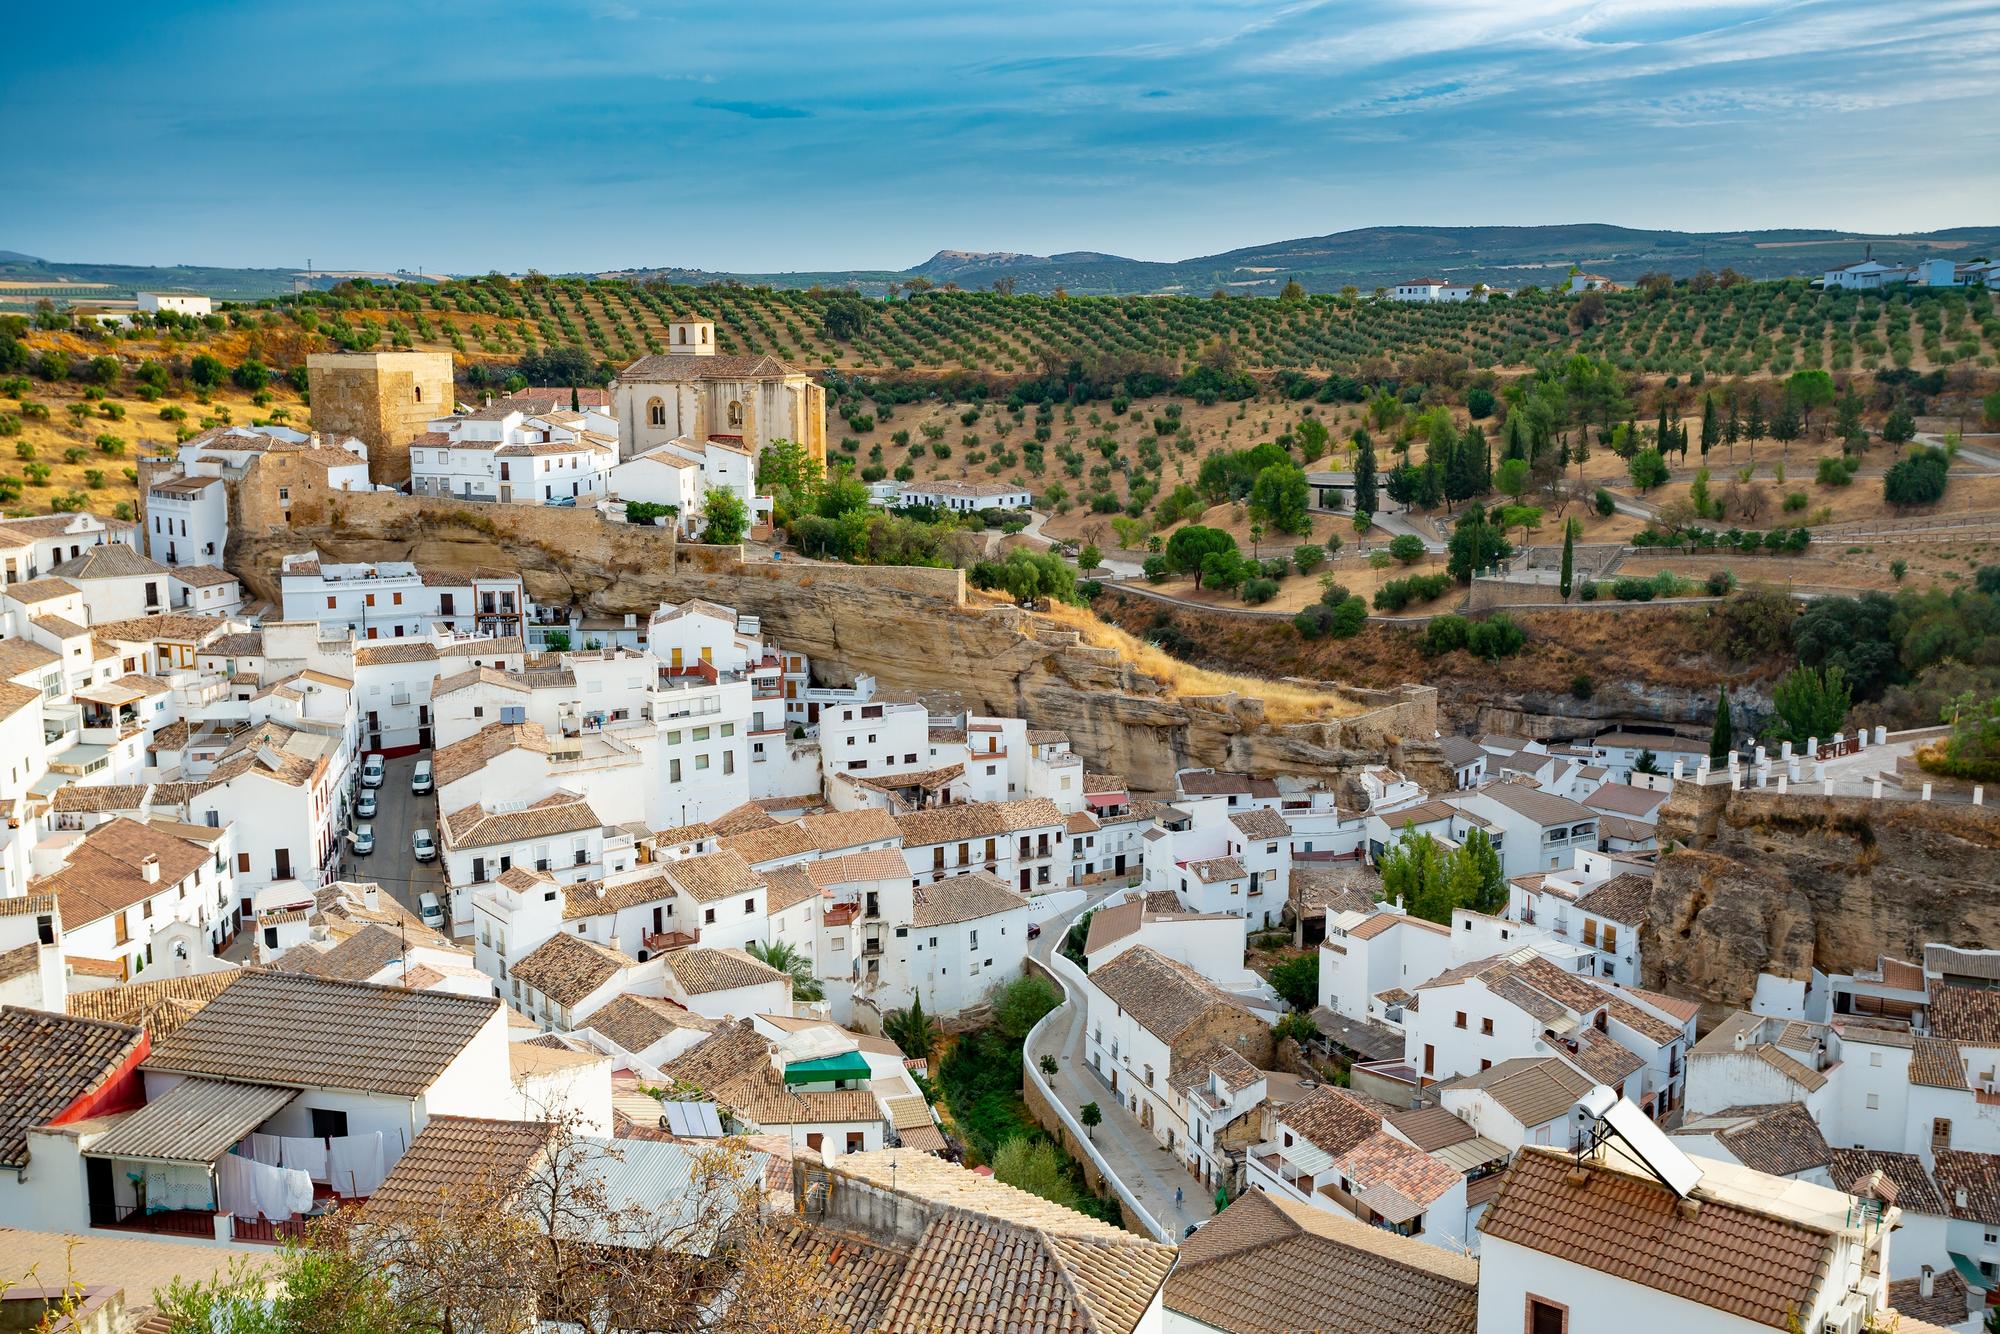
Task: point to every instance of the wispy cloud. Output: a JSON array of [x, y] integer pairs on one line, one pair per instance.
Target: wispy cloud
[[753, 110]]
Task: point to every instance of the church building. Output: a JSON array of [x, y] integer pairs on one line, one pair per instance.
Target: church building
[[693, 395]]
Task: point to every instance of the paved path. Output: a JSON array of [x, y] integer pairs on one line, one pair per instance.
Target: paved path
[[1150, 1172], [1110, 569]]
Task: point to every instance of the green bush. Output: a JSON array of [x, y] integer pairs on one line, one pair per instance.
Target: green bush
[[1407, 548], [1494, 638], [1720, 584], [1837, 470], [1259, 590], [1443, 635], [1607, 504], [1400, 593], [1919, 479]]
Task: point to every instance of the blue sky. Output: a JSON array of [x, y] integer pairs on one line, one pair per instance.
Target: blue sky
[[589, 134]]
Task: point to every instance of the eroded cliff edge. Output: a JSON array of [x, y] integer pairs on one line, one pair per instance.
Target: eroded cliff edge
[[910, 628], [1757, 882]]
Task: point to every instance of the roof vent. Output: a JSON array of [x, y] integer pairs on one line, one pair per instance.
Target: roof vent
[[1741, 1041], [149, 869]]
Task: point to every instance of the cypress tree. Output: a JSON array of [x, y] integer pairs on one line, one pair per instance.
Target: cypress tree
[[1364, 473], [1662, 434], [1723, 739], [1569, 558], [1708, 424]]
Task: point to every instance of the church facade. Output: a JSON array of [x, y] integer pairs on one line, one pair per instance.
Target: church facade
[[694, 394]]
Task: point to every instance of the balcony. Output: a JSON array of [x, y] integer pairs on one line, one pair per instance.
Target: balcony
[[659, 942]]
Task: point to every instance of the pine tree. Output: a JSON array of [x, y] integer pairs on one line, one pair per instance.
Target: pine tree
[[1722, 740], [1364, 473], [1753, 426], [1569, 557], [1708, 423]]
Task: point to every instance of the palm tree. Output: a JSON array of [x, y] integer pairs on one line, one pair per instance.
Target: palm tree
[[786, 959], [913, 1030]]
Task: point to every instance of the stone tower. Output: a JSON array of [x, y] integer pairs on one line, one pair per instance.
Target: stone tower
[[691, 338], [386, 399]]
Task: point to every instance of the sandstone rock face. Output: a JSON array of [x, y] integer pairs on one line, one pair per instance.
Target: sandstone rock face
[[909, 628], [1763, 883]]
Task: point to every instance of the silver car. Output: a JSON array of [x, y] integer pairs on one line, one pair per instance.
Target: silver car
[[364, 839], [424, 846], [364, 806]]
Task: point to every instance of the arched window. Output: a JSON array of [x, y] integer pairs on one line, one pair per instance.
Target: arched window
[[735, 412], [684, 333], [704, 333], [656, 413], [420, 393]]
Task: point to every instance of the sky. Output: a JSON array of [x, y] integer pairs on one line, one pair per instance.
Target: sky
[[582, 135]]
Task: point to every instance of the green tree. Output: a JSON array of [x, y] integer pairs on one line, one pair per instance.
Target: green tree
[[207, 370], [788, 472], [1020, 1004], [1279, 496], [1189, 549], [1722, 738], [1364, 474], [1092, 1117], [1407, 548], [1647, 469], [1811, 703], [724, 519], [1475, 875], [251, 375], [793, 963], [1809, 389], [1312, 436], [1031, 1163], [1513, 478], [1414, 874], [1297, 980], [1089, 558], [1308, 557], [1919, 479], [1710, 428], [1475, 545], [915, 1032], [1569, 557]]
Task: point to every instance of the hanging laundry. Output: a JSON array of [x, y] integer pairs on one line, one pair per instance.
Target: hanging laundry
[[356, 1166], [236, 1181], [266, 1149], [305, 1155]]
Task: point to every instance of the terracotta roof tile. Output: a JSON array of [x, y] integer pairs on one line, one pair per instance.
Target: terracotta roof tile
[[1725, 1256], [50, 1061], [1165, 995], [700, 971], [567, 968], [455, 1160]]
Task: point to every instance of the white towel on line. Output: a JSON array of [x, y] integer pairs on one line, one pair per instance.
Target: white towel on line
[[355, 1165], [266, 1149], [305, 1155]]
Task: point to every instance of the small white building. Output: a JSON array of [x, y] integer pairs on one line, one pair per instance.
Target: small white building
[[177, 303], [966, 495]]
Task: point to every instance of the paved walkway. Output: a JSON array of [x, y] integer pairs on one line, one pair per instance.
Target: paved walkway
[[1148, 1171]]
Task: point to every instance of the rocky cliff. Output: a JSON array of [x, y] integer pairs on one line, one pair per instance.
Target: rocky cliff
[[909, 628], [1785, 884]]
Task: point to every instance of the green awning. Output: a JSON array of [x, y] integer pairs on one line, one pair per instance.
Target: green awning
[[1969, 1271], [847, 1065]]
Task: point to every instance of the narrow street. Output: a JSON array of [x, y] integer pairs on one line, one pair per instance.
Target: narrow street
[[1149, 1171]]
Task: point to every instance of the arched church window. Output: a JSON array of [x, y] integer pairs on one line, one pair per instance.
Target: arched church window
[[420, 393], [735, 412], [656, 413], [684, 334]]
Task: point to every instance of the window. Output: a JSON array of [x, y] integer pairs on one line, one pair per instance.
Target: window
[[1940, 1131], [1875, 1059], [1610, 939], [328, 1124], [1546, 1317], [708, 916], [1874, 1101], [1486, 1028], [330, 602], [1589, 932], [656, 415], [750, 904], [1459, 1021]]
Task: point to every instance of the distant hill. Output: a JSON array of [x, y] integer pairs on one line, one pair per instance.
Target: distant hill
[[1366, 258], [1372, 257]]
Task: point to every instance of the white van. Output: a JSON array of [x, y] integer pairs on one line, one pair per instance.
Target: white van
[[374, 769], [431, 911], [420, 778]]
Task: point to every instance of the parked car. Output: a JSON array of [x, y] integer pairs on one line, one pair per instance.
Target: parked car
[[420, 779], [424, 846], [374, 768], [364, 839], [563, 502], [431, 911], [364, 805], [1034, 931]]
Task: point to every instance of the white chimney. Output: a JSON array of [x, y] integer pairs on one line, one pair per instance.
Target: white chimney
[[372, 895], [1741, 1040], [1927, 1283], [149, 869], [1958, 1197], [617, 942]]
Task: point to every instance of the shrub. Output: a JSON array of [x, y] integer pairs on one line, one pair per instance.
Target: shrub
[[1607, 505], [1444, 634], [1899, 568], [1400, 593], [1259, 590], [1720, 583], [1494, 638], [1308, 558], [1918, 479], [1837, 470], [1632, 589], [1348, 618], [1795, 501], [1587, 590], [1407, 548], [1581, 686]]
